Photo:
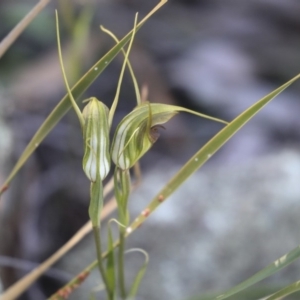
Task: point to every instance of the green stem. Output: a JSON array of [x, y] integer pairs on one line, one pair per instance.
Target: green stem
[[121, 272], [95, 209], [96, 231], [122, 191], [122, 187]]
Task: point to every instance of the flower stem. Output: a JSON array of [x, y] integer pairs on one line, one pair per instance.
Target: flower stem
[[121, 272], [96, 231]]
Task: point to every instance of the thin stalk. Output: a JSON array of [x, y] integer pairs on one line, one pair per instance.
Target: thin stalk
[[122, 191], [95, 209], [115, 102], [121, 273], [74, 104], [96, 231], [135, 84], [21, 26]]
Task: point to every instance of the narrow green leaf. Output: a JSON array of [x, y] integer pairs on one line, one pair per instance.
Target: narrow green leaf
[[292, 288], [277, 265], [64, 105], [110, 266], [254, 292], [210, 148], [137, 281]]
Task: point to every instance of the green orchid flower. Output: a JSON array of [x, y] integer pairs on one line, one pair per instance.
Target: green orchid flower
[[96, 159], [138, 131]]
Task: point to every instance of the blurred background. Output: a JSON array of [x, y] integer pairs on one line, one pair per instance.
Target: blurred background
[[236, 215]]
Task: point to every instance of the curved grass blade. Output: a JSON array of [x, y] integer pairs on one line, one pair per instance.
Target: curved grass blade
[[257, 292], [277, 265], [292, 288], [64, 105], [193, 165], [137, 281]]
